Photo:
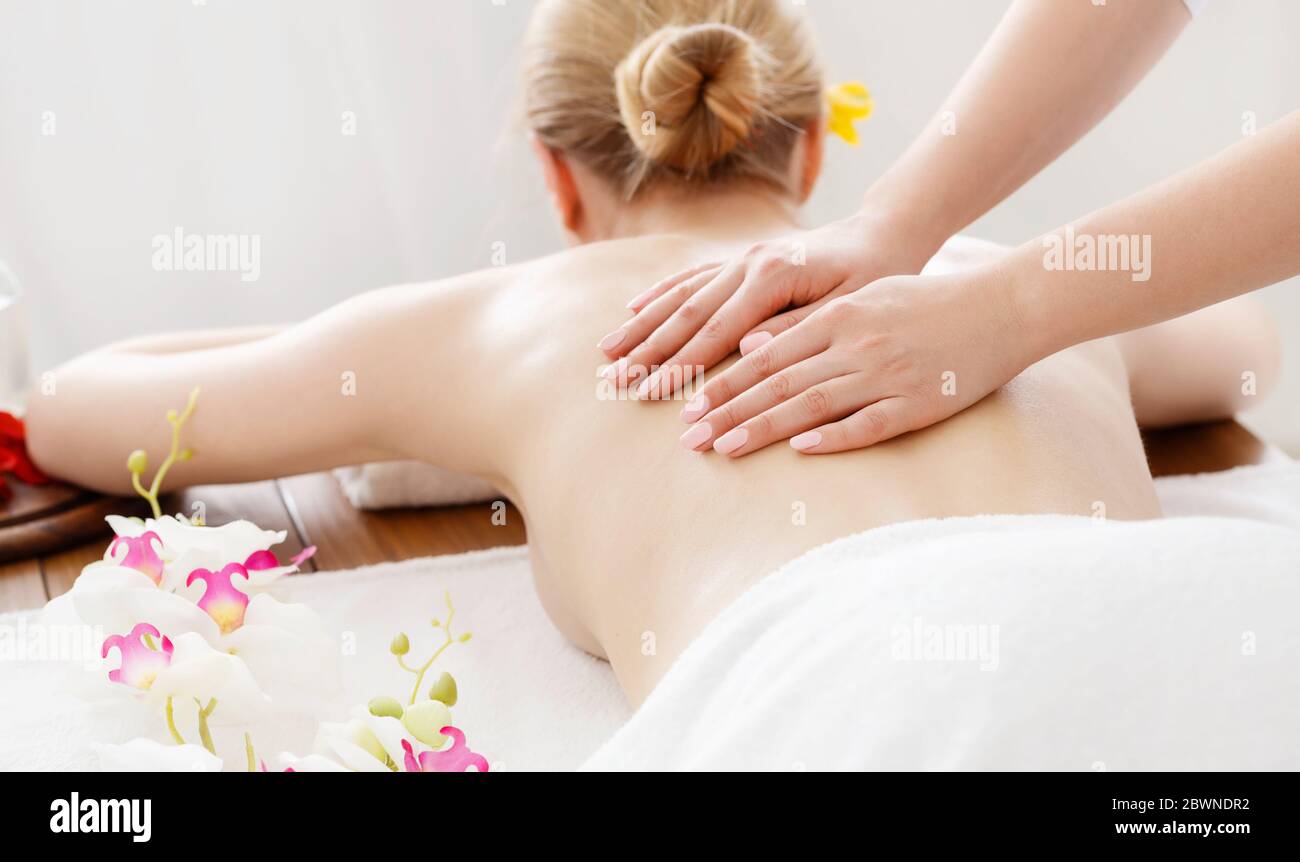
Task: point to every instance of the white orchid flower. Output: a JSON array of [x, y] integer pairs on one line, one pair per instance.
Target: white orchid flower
[[310, 763], [363, 743], [290, 653], [286, 647], [414, 742], [146, 755], [197, 672], [116, 598], [161, 670], [174, 548]]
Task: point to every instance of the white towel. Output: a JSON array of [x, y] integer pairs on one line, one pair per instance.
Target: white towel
[[403, 484], [529, 700], [998, 642], [1268, 492]]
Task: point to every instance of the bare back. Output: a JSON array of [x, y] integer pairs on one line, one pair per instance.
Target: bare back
[[636, 541]]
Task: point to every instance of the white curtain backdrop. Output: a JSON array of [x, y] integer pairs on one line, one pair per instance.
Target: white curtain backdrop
[[124, 119]]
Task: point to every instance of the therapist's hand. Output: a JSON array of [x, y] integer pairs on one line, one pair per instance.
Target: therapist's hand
[[696, 318], [895, 356]]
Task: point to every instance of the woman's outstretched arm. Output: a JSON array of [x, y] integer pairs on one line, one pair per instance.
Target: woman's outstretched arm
[[1206, 365], [349, 385]]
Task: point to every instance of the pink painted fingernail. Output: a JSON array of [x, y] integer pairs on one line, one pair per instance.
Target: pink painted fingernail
[[614, 339], [753, 341], [696, 435], [806, 440], [614, 369], [644, 389], [731, 441], [640, 298], [695, 408]]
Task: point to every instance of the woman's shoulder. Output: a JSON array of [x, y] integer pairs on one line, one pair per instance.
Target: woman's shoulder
[[528, 294], [578, 275]]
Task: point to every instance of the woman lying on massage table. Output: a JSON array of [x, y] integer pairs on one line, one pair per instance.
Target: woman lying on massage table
[[668, 132]]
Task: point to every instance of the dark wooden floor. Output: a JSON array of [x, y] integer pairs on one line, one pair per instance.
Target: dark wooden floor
[[312, 510]]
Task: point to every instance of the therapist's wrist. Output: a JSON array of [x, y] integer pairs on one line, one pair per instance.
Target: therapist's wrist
[[906, 243], [1037, 321], [900, 205]]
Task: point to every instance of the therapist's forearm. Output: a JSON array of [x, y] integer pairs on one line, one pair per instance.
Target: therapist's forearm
[[1049, 73], [1222, 228]]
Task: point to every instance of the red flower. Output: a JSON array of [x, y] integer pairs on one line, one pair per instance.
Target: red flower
[[13, 455]]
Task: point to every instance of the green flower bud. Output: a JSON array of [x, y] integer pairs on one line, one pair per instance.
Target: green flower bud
[[185, 454], [465, 637], [385, 706], [425, 719], [137, 462], [401, 645], [444, 689]]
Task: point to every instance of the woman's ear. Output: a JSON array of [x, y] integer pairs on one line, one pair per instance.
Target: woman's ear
[[814, 146], [559, 182]]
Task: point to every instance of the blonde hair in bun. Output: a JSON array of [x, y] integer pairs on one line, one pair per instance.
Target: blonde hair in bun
[[693, 91], [687, 95]]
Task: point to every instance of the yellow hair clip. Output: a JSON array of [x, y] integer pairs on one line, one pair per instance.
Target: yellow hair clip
[[848, 102]]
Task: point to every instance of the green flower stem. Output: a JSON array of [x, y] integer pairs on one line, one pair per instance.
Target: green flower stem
[[139, 489], [204, 733], [171, 723], [420, 671], [248, 752], [176, 454], [419, 675]]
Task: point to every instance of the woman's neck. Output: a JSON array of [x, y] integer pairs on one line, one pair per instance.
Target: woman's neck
[[724, 215]]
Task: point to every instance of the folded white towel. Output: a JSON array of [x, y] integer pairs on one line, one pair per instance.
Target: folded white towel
[[1001, 642], [403, 484]]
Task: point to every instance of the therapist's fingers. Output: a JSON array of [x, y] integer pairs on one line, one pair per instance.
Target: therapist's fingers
[[814, 407], [774, 326], [641, 300], [774, 356], [719, 336], [873, 424], [668, 337], [624, 339], [783, 385]]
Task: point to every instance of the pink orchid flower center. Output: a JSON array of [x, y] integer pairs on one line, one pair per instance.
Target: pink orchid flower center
[[262, 560], [141, 663], [141, 554], [221, 600], [458, 758]]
